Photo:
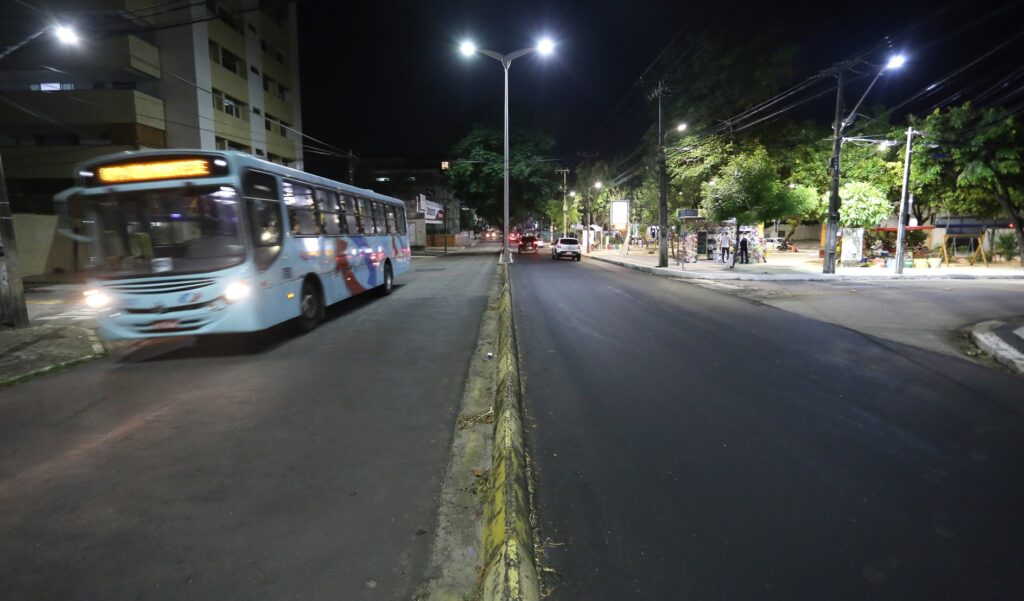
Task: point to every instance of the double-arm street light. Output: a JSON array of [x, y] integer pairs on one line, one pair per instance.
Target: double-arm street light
[[840, 125], [12, 297], [544, 47]]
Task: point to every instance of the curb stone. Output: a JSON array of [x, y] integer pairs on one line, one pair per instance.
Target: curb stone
[[96, 350], [509, 570], [990, 342], [794, 277]]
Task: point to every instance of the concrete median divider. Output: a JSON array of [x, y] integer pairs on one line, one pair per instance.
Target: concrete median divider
[[510, 573]]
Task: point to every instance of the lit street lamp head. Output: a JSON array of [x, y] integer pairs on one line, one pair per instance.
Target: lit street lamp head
[[681, 127], [467, 48], [598, 185], [66, 35], [896, 62], [546, 46]]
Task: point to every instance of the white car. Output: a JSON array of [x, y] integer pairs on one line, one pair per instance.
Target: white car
[[566, 246]]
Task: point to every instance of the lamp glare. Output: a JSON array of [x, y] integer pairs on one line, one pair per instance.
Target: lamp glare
[[896, 62], [66, 35], [545, 46], [467, 48]]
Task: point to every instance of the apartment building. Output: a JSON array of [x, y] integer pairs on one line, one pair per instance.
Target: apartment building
[[145, 74]]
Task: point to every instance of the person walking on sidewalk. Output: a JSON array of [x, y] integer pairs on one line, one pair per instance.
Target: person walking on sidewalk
[[725, 244], [744, 257]]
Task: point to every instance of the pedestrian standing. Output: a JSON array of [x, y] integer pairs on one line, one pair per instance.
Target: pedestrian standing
[[725, 242], [744, 257]]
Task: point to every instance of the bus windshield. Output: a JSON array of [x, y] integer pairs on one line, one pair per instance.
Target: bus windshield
[[181, 230]]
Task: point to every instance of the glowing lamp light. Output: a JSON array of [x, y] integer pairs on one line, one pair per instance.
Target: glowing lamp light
[[95, 299], [140, 172], [895, 62], [598, 185], [467, 48], [66, 35], [237, 291], [681, 127], [546, 46]]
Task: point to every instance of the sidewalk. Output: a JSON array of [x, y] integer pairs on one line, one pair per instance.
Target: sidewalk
[[39, 349], [475, 247], [796, 266]]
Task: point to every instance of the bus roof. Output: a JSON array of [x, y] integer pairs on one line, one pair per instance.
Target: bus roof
[[238, 160]]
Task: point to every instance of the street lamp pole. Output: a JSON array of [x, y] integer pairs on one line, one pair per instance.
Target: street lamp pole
[[544, 47], [12, 296], [839, 126]]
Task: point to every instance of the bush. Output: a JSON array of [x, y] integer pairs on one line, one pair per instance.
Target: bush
[[1006, 245]]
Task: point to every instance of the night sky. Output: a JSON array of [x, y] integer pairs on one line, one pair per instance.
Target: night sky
[[386, 79]]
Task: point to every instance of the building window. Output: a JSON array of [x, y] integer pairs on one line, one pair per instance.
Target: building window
[[383, 179], [123, 85], [49, 87], [260, 152], [268, 83], [254, 70], [232, 107], [220, 143], [279, 56], [264, 45], [282, 92], [214, 51], [232, 63], [257, 110]]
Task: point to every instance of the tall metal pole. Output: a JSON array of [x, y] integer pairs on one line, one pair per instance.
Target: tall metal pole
[[505, 256], [832, 227], [901, 227], [565, 198], [12, 296], [662, 187]]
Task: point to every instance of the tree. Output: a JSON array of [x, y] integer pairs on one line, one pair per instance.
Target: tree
[[864, 205], [984, 150], [747, 189], [477, 173]]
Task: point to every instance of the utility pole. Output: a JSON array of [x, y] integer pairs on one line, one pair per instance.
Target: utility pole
[[901, 227], [832, 227], [565, 198], [351, 167], [12, 295], [662, 182]]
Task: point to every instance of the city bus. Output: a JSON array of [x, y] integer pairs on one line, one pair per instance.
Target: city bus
[[184, 242]]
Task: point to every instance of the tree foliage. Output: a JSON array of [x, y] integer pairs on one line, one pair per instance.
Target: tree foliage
[[747, 188], [477, 173]]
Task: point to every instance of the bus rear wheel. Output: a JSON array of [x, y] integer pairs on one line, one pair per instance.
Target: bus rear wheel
[[389, 281], [311, 306]]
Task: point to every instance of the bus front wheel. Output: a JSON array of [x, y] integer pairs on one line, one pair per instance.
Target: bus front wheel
[[311, 306]]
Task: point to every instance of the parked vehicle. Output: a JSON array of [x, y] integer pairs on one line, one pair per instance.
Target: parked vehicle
[[566, 247]]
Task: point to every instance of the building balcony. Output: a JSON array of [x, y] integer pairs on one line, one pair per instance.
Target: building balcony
[[85, 107], [227, 36], [281, 145]]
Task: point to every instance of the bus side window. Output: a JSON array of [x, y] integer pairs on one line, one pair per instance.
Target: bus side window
[[400, 215], [342, 213], [363, 216], [377, 210], [389, 216], [327, 211], [267, 227], [348, 204], [301, 209]]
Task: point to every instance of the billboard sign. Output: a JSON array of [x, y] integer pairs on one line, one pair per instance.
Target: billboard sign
[[619, 214], [432, 211]]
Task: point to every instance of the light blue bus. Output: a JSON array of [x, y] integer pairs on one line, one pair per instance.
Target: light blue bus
[[191, 243]]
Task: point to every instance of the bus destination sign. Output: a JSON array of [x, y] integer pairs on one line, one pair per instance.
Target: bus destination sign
[[153, 170]]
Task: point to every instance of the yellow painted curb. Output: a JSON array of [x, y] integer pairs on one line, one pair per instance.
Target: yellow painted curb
[[509, 570]]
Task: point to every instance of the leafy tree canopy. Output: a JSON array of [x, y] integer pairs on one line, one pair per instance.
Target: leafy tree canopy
[[477, 173]]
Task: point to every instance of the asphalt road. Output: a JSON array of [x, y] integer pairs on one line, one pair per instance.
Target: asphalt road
[[268, 467], [693, 445]]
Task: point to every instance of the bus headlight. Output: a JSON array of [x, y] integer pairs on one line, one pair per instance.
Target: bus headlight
[[237, 291], [96, 299]]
